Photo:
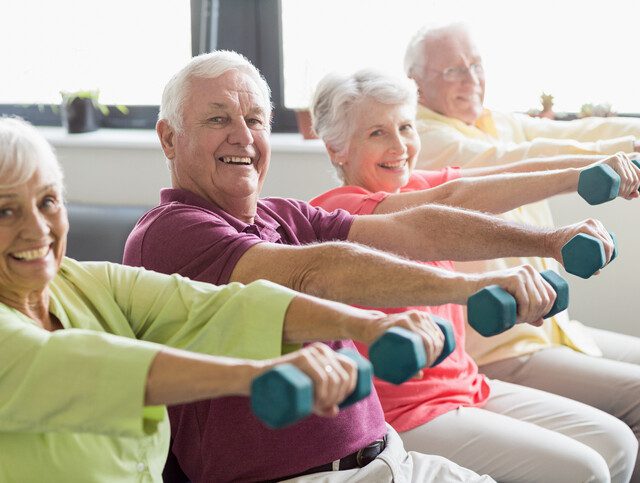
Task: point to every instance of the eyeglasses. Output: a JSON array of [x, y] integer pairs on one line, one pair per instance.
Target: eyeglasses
[[456, 74]]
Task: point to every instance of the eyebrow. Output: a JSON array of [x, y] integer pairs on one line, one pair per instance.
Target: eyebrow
[[219, 105], [41, 190], [46, 187]]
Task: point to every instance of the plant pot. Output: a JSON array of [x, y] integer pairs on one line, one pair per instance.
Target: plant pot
[[303, 118], [80, 115]]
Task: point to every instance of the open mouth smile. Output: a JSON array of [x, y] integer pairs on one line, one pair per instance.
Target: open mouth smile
[[394, 165], [29, 255], [238, 160]]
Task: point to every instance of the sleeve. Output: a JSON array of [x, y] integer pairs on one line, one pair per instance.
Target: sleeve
[[610, 130], [233, 320], [355, 200], [447, 147], [74, 380], [327, 225], [194, 243], [435, 178]]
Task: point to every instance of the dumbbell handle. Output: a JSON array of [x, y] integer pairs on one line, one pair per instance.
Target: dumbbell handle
[[492, 310], [584, 254], [399, 354], [600, 183], [286, 386]]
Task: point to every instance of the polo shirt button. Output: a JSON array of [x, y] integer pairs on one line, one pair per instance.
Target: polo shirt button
[[141, 467]]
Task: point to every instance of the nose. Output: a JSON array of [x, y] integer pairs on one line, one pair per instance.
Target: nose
[[397, 144], [35, 226], [240, 134], [471, 75]]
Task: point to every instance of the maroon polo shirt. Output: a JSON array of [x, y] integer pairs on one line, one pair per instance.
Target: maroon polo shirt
[[220, 439]]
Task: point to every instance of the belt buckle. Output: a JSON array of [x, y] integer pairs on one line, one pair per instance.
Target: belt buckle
[[379, 446]]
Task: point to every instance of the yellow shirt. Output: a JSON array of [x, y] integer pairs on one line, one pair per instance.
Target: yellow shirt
[[499, 138]]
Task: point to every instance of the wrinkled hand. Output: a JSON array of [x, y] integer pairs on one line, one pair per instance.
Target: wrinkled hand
[[589, 226], [415, 321], [628, 172], [534, 296], [334, 376]]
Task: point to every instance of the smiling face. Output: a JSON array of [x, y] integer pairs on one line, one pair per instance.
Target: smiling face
[[458, 96], [382, 149], [223, 152], [33, 234]]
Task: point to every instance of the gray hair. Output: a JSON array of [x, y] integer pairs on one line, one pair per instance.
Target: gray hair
[[23, 150], [207, 66], [415, 54], [337, 95]]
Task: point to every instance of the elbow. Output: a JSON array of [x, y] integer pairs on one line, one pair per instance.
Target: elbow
[[309, 276], [323, 274]]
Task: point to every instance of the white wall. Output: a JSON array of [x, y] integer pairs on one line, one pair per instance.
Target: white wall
[[116, 167]]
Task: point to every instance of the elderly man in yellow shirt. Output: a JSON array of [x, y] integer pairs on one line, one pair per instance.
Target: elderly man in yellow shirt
[[597, 367]]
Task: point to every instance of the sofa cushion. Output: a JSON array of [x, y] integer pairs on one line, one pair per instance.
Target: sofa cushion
[[99, 232]]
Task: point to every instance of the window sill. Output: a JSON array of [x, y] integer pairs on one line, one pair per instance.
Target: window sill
[[147, 139]]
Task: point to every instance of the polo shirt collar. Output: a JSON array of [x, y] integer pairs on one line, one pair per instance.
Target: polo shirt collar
[[264, 226], [483, 126]]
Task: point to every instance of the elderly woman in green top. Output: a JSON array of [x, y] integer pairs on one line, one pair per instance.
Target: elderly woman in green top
[[83, 377]]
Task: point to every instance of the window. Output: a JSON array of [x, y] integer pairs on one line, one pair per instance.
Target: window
[[578, 51], [126, 49]]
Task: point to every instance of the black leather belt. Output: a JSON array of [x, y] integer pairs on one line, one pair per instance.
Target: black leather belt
[[359, 459]]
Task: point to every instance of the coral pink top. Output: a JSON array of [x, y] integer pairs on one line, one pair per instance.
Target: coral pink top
[[456, 381]]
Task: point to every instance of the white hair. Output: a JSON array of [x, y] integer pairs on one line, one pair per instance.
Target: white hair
[[415, 54], [23, 150], [207, 66], [337, 95]]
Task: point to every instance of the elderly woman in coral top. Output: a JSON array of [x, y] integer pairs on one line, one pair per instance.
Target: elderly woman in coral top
[[511, 432]]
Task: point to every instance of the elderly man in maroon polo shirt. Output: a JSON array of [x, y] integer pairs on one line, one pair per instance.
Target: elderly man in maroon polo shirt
[[212, 226]]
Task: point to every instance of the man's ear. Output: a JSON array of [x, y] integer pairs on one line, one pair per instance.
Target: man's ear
[[166, 134]]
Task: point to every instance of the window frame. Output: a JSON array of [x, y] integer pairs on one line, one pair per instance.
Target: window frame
[[250, 27]]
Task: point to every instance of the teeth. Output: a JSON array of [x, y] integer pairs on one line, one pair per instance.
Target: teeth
[[401, 164], [32, 254], [235, 160]]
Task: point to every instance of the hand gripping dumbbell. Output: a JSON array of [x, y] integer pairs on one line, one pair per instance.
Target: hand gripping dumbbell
[[492, 310], [284, 394], [399, 354], [584, 255], [600, 183]]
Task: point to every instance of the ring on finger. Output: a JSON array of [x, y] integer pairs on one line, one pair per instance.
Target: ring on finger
[[328, 368]]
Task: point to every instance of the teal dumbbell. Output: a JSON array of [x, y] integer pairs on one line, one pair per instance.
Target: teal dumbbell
[[598, 184], [492, 310], [584, 255], [399, 354], [284, 394]]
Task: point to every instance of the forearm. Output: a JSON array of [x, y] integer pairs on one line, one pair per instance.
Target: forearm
[[531, 165], [505, 192], [437, 232], [178, 376], [358, 275]]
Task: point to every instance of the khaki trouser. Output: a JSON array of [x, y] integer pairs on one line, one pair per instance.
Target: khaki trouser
[[610, 383], [394, 464]]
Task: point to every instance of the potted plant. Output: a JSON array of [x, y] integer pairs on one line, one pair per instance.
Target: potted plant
[[81, 110], [596, 110], [547, 106], [303, 118]]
